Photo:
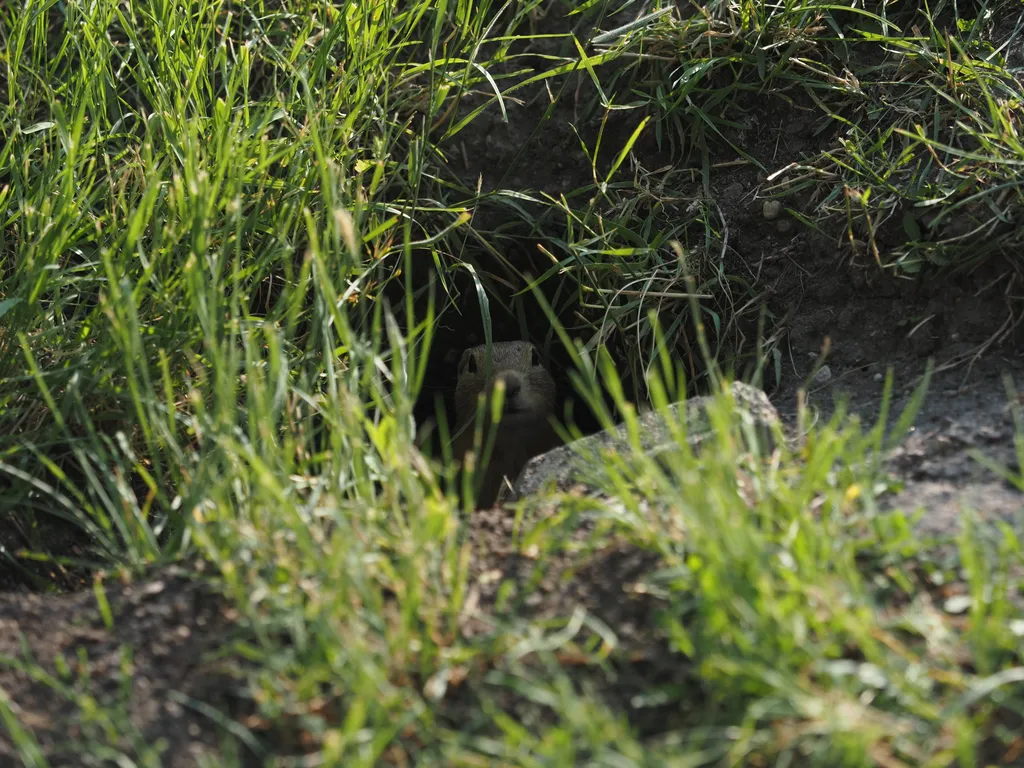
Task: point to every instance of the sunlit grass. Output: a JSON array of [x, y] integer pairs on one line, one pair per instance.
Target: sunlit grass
[[211, 346]]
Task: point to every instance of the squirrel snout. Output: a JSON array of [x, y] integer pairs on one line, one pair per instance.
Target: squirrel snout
[[513, 385], [517, 398]]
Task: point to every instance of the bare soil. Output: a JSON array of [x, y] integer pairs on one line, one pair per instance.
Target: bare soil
[[155, 667]]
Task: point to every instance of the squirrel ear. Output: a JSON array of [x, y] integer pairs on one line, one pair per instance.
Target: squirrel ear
[[534, 356], [468, 362]]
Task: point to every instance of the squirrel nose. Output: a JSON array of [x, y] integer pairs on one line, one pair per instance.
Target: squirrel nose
[[512, 386]]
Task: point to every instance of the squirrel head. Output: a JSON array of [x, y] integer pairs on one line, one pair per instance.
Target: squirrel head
[[529, 388]]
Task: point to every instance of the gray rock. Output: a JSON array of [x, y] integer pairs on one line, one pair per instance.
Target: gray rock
[[823, 375], [771, 209], [580, 462]]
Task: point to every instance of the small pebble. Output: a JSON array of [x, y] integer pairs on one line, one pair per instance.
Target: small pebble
[[771, 209], [879, 377], [823, 375], [734, 192], [783, 226]]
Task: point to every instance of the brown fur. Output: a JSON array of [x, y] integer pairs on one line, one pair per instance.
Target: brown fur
[[524, 430]]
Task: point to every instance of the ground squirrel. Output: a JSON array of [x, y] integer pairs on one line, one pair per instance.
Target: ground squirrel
[[524, 430]]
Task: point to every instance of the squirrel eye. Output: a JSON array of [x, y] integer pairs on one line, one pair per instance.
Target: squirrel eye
[[534, 357]]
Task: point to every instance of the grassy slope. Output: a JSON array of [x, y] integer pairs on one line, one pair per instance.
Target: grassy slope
[[203, 204]]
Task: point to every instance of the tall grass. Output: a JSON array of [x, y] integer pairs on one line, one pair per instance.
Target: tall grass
[[912, 116], [211, 346]]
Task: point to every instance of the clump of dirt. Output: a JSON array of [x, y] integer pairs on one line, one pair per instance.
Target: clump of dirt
[[149, 666]]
